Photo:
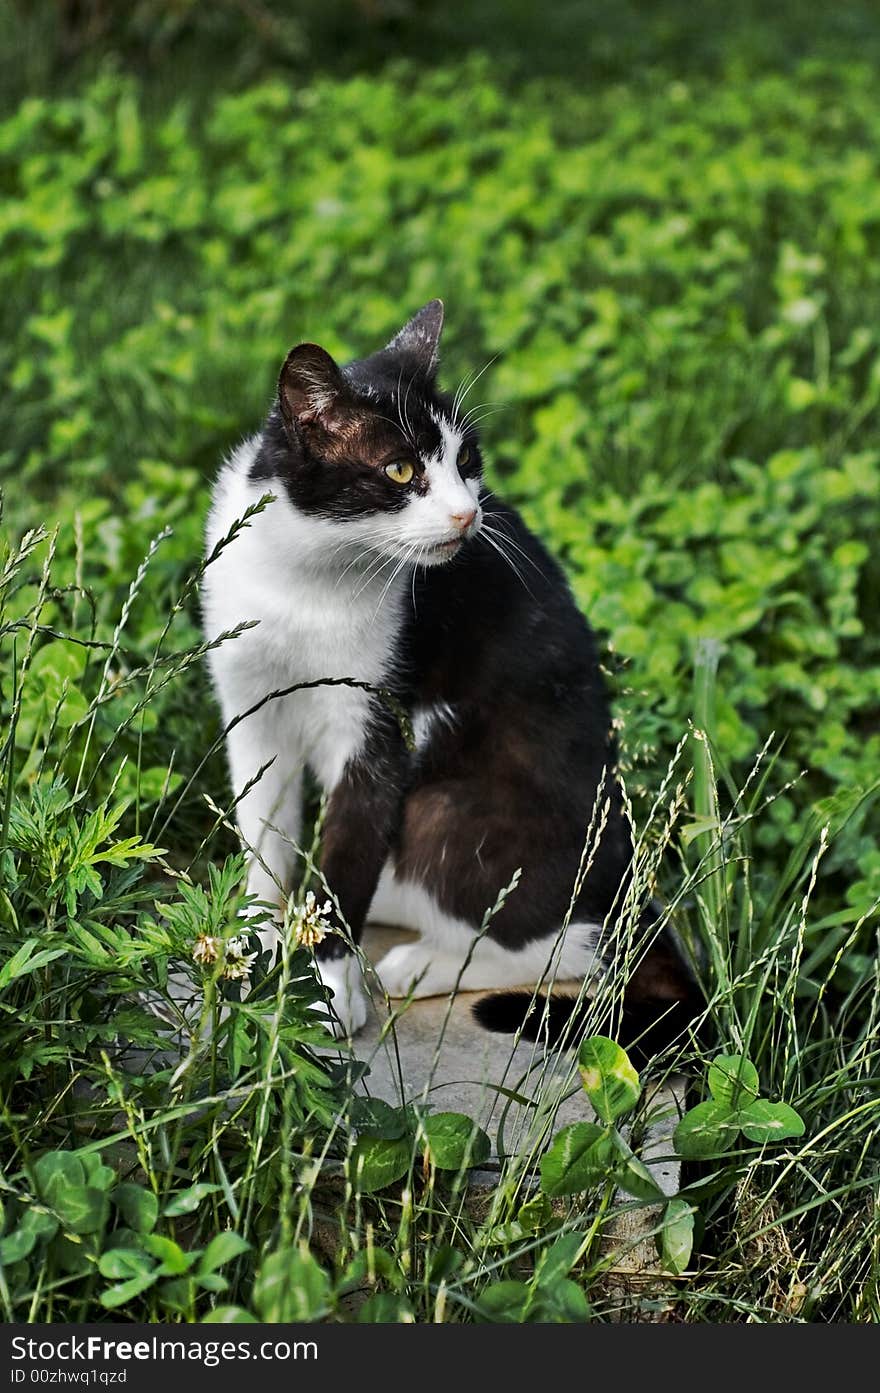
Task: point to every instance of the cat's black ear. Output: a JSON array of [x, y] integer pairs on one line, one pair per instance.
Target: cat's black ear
[[310, 385], [420, 337]]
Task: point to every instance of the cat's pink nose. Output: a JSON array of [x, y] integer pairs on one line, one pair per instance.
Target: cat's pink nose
[[463, 520]]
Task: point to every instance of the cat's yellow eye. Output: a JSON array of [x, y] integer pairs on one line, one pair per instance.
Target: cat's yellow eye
[[464, 456], [400, 472]]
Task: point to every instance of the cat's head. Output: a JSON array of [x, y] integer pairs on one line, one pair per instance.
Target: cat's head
[[376, 450]]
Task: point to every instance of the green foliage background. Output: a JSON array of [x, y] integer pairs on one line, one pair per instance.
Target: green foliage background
[[656, 230], [663, 238]]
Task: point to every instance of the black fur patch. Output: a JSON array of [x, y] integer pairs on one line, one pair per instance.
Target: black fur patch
[[647, 1029]]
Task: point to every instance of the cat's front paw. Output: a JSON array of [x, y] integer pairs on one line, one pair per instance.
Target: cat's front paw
[[350, 1006], [415, 968]]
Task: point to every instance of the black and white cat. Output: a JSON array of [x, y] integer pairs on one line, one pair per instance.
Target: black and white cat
[[385, 560]]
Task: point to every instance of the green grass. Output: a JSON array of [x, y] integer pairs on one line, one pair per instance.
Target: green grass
[[663, 241]]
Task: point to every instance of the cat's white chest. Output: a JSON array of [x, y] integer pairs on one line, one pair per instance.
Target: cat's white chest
[[309, 629], [322, 640]]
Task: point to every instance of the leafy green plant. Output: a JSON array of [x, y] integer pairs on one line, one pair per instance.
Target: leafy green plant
[[587, 1156], [78, 1222], [391, 1139], [733, 1109], [549, 1296]]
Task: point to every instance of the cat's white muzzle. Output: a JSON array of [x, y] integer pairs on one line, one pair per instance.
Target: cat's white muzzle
[[451, 545]]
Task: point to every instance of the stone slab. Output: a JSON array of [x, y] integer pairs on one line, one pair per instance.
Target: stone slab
[[432, 1050], [437, 1053]]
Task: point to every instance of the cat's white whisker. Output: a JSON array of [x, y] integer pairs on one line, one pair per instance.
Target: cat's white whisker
[[456, 400], [391, 579], [474, 380], [491, 540], [405, 412], [362, 554], [397, 426], [472, 410], [401, 411], [464, 387], [502, 521], [494, 541], [373, 571], [479, 414]]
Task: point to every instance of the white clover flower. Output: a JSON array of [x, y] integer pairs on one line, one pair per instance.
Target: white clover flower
[[310, 922], [206, 950], [237, 963], [239, 970]]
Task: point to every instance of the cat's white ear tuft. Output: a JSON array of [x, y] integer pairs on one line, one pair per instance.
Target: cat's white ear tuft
[[420, 337], [309, 386]]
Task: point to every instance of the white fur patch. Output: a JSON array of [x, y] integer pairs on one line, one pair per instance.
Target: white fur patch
[[435, 964], [428, 718]]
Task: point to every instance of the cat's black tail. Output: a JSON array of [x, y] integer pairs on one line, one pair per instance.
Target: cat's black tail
[[660, 1003], [646, 1030]]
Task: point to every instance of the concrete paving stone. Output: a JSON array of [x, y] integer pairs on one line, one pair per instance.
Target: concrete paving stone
[[436, 1053]]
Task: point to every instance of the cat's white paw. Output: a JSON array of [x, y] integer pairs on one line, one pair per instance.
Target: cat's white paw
[[416, 968], [344, 978]]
